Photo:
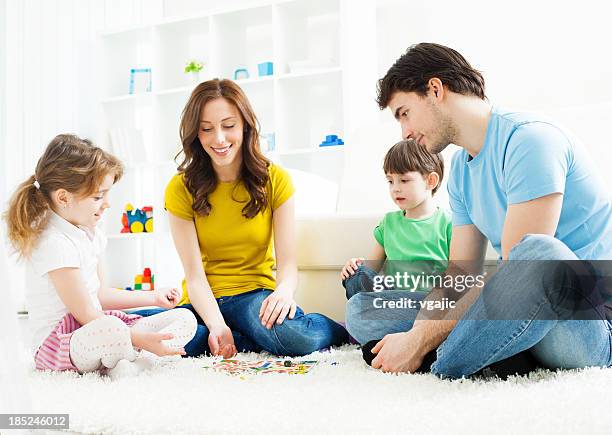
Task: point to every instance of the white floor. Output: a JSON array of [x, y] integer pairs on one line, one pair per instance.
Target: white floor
[[179, 396]]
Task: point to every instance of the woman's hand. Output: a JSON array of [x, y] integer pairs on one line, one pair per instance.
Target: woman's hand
[[166, 297], [221, 341], [276, 307], [154, 343], [351, 267]]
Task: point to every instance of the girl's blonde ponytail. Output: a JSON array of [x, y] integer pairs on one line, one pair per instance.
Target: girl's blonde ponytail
[[70, 163]]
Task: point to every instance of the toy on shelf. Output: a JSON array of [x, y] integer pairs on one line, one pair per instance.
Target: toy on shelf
[[146, 281], [265, 69], [137, 220], [140, 80], [331, 140], [241, 74]]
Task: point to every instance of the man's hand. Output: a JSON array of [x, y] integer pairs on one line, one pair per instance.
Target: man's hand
[[401, 352]]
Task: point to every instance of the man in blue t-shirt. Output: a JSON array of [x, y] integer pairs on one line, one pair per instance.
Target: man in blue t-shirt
[[525, 185]]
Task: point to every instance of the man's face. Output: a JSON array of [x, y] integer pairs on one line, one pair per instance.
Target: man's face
[[422, 120]]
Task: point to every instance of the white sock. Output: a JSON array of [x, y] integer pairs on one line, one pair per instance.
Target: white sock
[[124, 369]]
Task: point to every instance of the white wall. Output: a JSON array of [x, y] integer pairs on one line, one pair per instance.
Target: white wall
[[3, 156], [50, 81], [541, 55]]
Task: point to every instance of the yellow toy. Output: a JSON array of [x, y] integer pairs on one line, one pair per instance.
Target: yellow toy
[[137, 220]]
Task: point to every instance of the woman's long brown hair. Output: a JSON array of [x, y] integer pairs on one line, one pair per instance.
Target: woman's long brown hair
[[200, 177]]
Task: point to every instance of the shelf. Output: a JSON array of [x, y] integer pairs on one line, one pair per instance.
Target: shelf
[[251, 80], [125, 30], [318, 150], [175, 91], [132, 236], [316, 89], [180, 19], [310, 73]]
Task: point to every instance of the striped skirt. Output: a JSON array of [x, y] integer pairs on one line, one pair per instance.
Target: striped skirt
[[54, 352]]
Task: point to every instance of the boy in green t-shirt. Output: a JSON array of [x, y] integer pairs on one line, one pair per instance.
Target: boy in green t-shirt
[[413, 241]]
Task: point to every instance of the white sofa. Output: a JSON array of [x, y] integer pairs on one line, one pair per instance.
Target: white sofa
[[324, 243]]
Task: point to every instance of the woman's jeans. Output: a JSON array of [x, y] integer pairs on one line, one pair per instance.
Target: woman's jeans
[[304, 334], [518, 309]]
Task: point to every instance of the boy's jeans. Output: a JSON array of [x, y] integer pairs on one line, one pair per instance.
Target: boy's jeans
[[362, 319], [522, 293], [304, 334]]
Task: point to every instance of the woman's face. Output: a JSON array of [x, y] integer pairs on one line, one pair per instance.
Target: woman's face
[[221, 133]]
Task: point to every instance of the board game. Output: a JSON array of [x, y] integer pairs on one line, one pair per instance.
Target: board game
[[237, 367]]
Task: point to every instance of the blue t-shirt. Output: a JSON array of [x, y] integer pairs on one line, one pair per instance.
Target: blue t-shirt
[[525, 157]]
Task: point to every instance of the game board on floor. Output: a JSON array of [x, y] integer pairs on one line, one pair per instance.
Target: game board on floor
[[237, 367]]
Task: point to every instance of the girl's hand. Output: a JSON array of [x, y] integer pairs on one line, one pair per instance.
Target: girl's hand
[[351, 267], [276, 307], [166, 297], [154, 343], [221, 341]]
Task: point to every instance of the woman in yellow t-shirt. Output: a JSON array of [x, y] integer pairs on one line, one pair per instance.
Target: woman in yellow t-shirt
[[228, 208]]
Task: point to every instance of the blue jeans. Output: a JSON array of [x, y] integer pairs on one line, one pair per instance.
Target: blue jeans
[[304, 334], [360, 282], [523, 293], [363, 320]]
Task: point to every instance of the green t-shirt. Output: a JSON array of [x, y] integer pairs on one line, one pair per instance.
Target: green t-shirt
[[416, 246]]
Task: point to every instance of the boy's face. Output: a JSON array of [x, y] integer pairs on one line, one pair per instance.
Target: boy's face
[[408, 190]]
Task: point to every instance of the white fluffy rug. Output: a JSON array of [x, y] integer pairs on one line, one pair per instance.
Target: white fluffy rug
[[179, 396]]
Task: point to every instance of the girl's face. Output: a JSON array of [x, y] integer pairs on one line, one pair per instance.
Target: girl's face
[[84, 211], [409, 190], [221, 134]]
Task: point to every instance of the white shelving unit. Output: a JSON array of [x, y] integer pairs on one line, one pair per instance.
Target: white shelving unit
[[311, 94]]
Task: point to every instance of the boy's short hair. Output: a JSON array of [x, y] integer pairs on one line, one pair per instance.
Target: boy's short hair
[[408, 156]]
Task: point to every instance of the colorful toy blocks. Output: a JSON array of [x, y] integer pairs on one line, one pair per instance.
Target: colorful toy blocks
[[331, 140], [137, 220], [144, 281]]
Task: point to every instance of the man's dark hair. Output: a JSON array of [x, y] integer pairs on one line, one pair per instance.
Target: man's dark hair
[[424, 61]]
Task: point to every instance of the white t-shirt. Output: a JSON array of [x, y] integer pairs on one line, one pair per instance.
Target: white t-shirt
[[61, 245]]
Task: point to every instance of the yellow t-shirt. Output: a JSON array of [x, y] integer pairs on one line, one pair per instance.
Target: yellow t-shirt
[[236, 251]]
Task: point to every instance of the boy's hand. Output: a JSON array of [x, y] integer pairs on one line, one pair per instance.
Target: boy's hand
[[351, 267]]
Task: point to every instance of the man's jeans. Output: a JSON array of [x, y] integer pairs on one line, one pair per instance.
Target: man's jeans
[[524, 294], [303, 334]]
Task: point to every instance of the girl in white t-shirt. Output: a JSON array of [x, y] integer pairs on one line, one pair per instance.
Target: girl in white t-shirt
[[75, 318]]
